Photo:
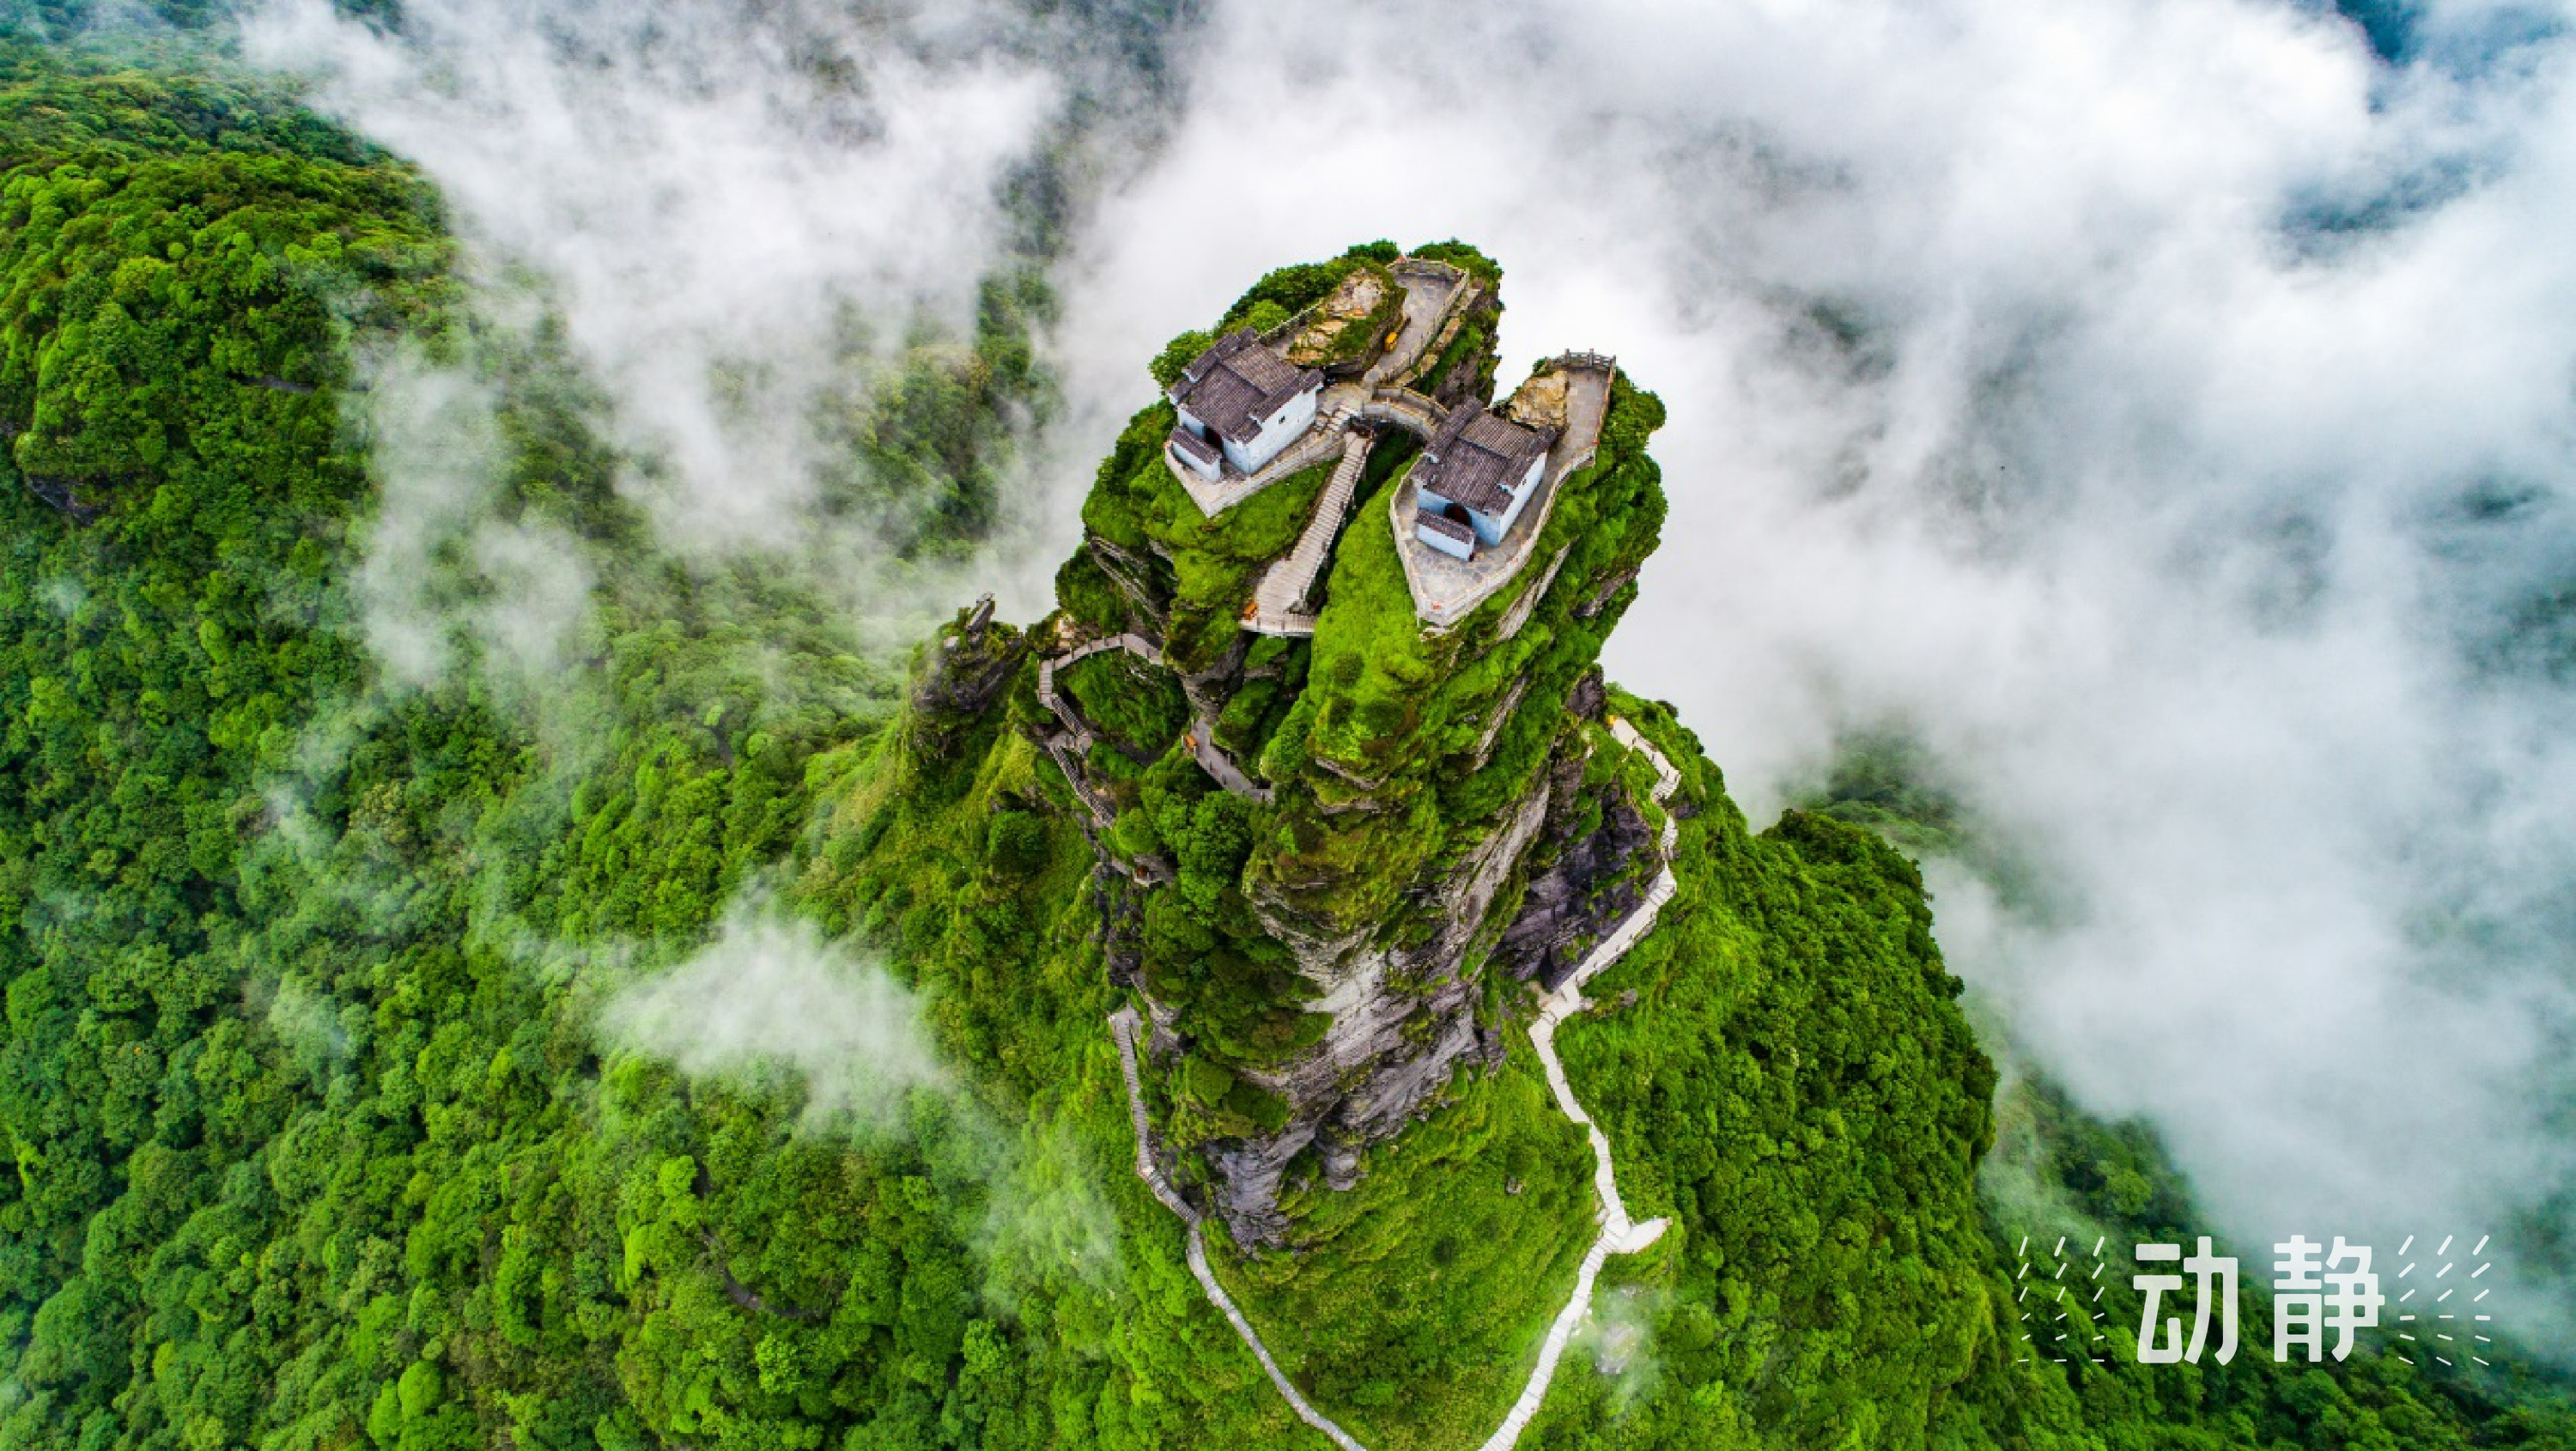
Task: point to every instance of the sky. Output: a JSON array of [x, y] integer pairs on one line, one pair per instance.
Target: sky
[[2159, 411]]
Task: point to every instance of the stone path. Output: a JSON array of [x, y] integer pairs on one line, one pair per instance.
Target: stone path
[[1619, 1234], [1077, 737], [1074, 725], [1122, 1026], [1404, 408], [1279, 601], [1214, 761], [1215, 496], [1434, 292], [1431, 292], [1102, 813]]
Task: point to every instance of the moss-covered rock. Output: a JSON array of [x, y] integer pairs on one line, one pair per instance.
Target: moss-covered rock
[[1332, 951], [1326, 934]]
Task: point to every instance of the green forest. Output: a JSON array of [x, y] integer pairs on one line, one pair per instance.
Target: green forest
[[323, 1127]]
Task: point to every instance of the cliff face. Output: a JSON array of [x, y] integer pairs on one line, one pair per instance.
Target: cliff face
[[1326, 836], [1319, 848]]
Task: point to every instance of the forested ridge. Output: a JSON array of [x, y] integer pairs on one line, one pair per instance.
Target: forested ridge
[[307, 1151], [319, 1140]]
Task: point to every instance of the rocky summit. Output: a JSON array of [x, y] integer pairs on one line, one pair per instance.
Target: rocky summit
[[1401, 815]]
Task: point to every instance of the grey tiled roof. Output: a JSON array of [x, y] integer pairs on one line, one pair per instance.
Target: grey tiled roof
[[1194, 446], [1443, 524], [1238, 383], [1476, 457]]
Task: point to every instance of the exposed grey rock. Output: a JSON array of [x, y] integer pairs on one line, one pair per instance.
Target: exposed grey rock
[[1586, 887], [1600, 598], [1403, 1021], [1132, 574], [1590, 696], [965, 670], [1121, 926]]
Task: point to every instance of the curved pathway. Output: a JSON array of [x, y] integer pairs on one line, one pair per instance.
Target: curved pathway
[[1404, 408], [1432, 290], [1122, 1026], [1619, 1234], [1077, 735], [1074, 725]]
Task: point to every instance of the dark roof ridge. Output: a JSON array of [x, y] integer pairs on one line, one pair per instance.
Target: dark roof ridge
[[1238, 383]]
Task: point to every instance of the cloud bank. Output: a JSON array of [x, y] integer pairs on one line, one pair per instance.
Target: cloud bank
[[768, 995], [730, 209], [769, 998], [2160, 409], [732, 220]]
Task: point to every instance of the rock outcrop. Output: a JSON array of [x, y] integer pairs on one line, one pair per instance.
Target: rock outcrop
[[1362, 823], [1589, 879], [971, 662]]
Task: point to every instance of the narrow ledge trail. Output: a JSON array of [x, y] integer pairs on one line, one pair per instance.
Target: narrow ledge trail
[[1618, 1234], [1122, 1026]]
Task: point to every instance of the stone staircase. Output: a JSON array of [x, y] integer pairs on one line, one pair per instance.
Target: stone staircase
[[1212, 759], [1279, 602], [1124, 1026], [1619, 1234], [1214, 497], [1075, 727]]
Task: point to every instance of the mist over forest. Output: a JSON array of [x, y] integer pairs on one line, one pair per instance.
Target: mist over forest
[[486, 472]]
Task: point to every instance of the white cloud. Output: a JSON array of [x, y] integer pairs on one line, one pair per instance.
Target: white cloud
[[768, 994], [431, 448], [2177, 524], [2139, 498], [724, 207], [440, 566]]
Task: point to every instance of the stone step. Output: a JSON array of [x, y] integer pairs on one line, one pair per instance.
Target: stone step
[[1290, 579]]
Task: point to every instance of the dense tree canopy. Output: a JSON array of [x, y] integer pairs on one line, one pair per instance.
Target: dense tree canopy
[[318, 1139]]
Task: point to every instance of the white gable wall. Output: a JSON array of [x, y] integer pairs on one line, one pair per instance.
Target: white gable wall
[[1277, 432], [1491, 530], [1520, 497], [1211, 470], [1454, 548]]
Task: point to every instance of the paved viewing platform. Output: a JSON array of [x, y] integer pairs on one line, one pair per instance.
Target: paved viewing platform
[[1446, 588], [1434, 294], [1318, 443]]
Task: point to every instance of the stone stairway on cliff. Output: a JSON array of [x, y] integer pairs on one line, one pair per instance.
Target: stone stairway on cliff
[[1279, 602], [1075, 727]]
